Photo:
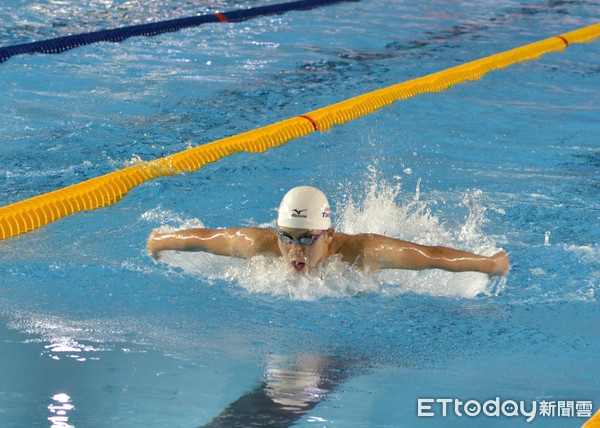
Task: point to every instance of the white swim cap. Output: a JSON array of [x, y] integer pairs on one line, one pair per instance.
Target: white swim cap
[[304, 207]]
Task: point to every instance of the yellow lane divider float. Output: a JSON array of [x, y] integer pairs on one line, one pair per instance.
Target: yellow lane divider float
[[24, 216]]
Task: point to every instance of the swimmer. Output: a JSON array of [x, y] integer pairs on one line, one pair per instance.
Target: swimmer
[[304, 237]]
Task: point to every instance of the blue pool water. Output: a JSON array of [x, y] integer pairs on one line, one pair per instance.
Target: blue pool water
[[94, 333]]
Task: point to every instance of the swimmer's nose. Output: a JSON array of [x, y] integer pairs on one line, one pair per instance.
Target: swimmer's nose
[[297, 250]]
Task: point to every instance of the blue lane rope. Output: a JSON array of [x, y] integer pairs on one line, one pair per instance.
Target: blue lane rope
[[61, 44]]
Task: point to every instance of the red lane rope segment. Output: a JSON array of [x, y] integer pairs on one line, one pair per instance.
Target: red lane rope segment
[[311, 120], [221, 17], [564, 40]]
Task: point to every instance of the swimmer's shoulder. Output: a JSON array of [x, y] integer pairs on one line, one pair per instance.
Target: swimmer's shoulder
[[260, 240], [345, 241], [350, 247], [360, 250]]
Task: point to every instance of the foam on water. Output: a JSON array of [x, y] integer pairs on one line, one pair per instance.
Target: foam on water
[[381, 208]]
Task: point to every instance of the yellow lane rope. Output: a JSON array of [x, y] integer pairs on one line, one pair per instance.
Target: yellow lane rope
[[29, 214]]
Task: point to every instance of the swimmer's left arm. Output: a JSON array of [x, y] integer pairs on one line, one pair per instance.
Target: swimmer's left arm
[[381, 252]]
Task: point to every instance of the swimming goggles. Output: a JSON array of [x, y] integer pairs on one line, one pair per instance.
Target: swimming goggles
[[305, 241]]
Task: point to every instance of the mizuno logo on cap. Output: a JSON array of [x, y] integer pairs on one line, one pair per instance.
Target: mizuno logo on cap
[[298, 213]]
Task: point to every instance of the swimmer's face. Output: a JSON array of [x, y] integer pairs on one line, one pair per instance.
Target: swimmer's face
[[302, 249]]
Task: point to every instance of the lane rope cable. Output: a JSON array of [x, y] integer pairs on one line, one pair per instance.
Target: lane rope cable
[[24, 216], [61, 44]]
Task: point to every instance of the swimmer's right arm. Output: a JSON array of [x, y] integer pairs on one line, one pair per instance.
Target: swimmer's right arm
[[234, 242]]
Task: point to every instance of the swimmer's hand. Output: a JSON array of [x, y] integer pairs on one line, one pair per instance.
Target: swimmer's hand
[[152, 246], [501, 264]]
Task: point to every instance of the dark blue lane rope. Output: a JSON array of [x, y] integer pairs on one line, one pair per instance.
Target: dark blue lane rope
[[61, 44]]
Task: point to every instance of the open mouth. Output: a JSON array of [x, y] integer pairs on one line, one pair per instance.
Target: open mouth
[[299, 266]]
